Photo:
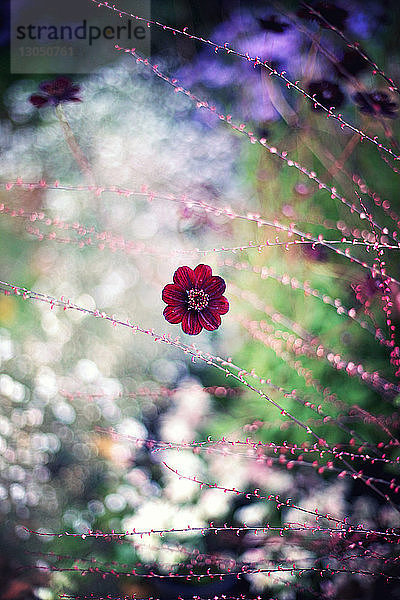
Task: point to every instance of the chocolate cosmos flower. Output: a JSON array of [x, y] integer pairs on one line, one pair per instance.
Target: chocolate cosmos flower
[[326, 93], [351, 63], [56, 91], [376, 103], [195, 299]]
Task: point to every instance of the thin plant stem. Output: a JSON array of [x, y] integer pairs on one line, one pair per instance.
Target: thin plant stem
[[73, 145]]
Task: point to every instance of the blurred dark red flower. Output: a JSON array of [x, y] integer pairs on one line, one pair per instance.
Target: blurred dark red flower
[[56, 91], [335, 15], [316, 252], [18, 581], [376, 103], [195, 299], [273, 24], [367, 288], [351, 63], [326, 93]]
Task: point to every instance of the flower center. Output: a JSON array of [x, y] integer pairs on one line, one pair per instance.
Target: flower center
[[197, 299]]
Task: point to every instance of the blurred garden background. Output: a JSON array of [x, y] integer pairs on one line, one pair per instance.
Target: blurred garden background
[[256, 460]]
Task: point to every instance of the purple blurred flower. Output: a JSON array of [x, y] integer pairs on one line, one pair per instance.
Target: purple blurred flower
[[364, 19], [54, 92], [247, 90]]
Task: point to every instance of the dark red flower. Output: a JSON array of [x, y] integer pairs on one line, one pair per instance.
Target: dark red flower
[[376, 103], [195, 299], [352, 63], [326, 93], [54, 92]]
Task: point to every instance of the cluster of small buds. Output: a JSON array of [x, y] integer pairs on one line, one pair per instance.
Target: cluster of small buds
[[306, 343], [288, 280], [88, 236], [192, 350], [259, 452], [293, 569]]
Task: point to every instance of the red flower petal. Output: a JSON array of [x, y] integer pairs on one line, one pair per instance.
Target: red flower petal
[[191, 323], [46, 86], [172, 294], [174, 314], [209, 319], [56, 86], [38, 101], [202, 273], [221, 305], [214, 287], [62, 82], [184, 277]]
